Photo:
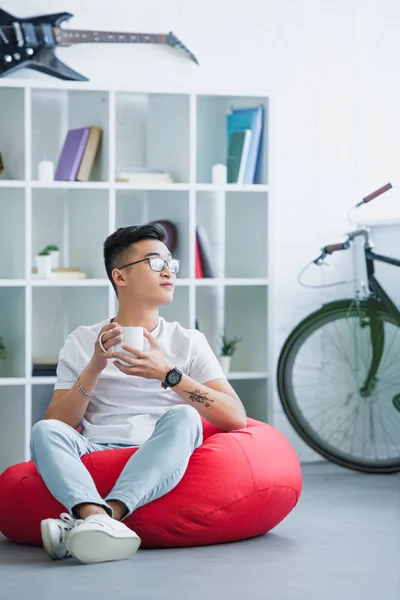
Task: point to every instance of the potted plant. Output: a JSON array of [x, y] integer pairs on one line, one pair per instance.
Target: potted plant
[[54, 252], [43, 263], [228, 349]]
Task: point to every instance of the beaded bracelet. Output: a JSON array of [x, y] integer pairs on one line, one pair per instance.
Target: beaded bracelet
[[82, 391]]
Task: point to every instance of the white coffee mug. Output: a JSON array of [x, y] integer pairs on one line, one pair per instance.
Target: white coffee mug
[[131, 336]]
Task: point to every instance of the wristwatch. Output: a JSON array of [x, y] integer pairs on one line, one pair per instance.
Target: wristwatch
[[172, 378]]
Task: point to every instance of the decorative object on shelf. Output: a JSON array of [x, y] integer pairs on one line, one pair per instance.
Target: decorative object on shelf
[[46, 170], [242, 119], [238, 154], [219, 174], [43, 263], [143, 176], [171, 232], [205, 252], [62, 273], [227, 350], [3, 350], [31, 43]]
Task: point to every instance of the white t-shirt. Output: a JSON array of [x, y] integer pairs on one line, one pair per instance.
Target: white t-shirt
[[124, 408]]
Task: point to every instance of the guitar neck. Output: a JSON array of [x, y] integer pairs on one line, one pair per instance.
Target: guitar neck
[[66, 37]]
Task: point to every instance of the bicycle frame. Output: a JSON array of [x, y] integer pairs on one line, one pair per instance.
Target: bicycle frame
[[374, 284], [376, 325]]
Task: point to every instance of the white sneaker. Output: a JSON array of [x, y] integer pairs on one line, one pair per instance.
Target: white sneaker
[[100, 538], [55, 533]]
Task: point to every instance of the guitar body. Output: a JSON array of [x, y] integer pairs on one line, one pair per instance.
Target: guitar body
[[31, 43], [43, 56]]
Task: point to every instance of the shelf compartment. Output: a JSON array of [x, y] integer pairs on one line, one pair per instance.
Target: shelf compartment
[[12, 233], [178, 309], [152, 130], [54, 112], [246, 245], [210, 314], [58, 311], [12, 425], [41, 396], [254, 395], [246, 317], [12, 330], [140, 207], [12, 132], [77, 222], [212, 133], [210, 214]]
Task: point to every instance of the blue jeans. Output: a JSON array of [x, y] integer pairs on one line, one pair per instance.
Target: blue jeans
[[154, 470]]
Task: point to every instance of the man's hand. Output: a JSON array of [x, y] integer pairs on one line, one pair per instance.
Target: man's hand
[[150, 365], [112, 336]]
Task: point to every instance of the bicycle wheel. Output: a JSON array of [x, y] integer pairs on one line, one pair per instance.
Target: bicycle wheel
[[322, 370]]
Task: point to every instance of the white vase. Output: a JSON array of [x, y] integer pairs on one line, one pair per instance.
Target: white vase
[[225, 362], [55, 258], [43, 265]]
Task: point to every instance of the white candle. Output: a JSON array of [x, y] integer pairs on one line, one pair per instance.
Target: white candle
[[46, 170]]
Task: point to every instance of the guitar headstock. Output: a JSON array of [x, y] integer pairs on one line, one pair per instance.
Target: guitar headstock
[[173, 41]]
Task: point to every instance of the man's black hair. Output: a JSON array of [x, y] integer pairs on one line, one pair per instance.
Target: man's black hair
[[118, 244]]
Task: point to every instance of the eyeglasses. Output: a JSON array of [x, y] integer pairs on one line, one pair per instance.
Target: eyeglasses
[[157, 264]]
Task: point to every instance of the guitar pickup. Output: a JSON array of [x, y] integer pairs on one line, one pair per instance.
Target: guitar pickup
[[47, 35], [29, 34]]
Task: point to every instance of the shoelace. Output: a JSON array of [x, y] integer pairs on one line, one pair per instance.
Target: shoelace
[[69, 521]]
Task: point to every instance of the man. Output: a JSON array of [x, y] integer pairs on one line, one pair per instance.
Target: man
[[155, 404]]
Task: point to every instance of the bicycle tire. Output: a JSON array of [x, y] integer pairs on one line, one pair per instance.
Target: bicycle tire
[[328, 313]]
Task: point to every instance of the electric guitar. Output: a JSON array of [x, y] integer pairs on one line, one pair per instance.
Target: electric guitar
[[31, 43]]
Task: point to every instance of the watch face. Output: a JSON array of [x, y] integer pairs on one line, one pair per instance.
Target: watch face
[[174, 377]]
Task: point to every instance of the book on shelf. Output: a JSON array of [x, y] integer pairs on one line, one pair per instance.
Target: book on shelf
[[199, 270], [143, 176], [238, 154], [89, 154], [62, 273], [71, 154], [248, 118], [44, 367], [205, 252], [78, 154]]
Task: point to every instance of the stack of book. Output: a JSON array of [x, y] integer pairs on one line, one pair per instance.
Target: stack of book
[[143, 176], [44, 367], [63, 273], [78, 154], [244, 131], [204, 260]]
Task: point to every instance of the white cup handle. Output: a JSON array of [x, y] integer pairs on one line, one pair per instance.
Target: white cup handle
[[101, 343]]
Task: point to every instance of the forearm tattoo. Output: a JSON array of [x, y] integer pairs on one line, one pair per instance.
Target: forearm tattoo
[[202, 398]]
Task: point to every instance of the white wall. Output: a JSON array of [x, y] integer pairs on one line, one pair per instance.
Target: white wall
[[332, 69]]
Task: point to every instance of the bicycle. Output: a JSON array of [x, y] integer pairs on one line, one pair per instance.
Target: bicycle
[[338, 372]]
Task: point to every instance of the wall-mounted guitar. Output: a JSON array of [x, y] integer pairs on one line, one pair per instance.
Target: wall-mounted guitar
[[31, 43]]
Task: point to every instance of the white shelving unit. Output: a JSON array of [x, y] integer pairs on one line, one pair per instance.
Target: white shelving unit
[[185, 134]]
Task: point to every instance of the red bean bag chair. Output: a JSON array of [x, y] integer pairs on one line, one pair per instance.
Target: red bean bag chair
[[237, 485]]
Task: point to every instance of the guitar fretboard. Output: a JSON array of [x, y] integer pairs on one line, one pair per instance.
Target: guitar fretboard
[[80, 36]]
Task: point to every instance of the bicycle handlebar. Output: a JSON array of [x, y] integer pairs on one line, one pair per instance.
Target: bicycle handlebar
[[375, 194], [335, 247]]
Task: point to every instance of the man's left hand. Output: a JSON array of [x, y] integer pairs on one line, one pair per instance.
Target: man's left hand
[[151, 364]]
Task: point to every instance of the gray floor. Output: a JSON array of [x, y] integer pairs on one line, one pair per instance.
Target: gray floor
[[341, 542]]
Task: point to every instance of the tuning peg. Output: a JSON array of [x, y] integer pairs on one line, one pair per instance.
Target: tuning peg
[[8, 58]]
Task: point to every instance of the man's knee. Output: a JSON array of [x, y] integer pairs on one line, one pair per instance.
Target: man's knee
[[187, 419], [42, 430]]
